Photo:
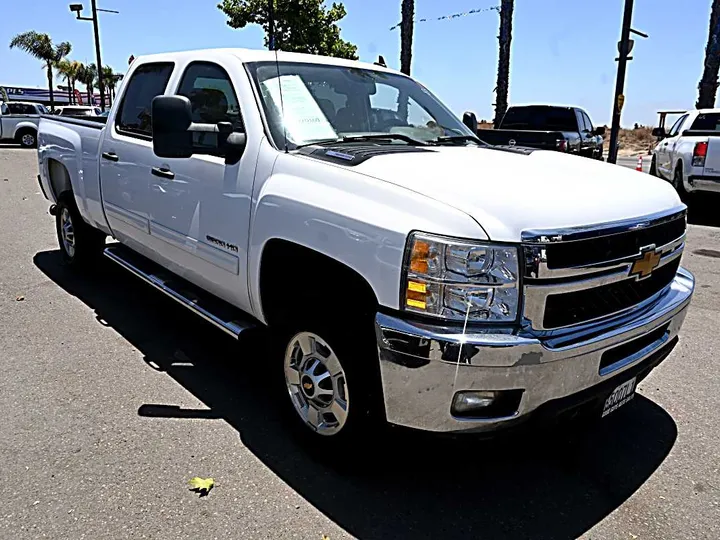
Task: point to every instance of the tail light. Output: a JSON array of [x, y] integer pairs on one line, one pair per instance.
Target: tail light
[[699, 154], [561, 145]]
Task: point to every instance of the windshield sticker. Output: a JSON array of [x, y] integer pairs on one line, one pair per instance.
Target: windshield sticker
[[303, 117]]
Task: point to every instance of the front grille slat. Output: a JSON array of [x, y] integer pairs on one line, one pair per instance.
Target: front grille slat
[[616, 246], [588, 304]]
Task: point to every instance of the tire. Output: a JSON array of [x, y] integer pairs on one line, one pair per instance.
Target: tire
[[80, 244], [653, 166], [678, 184], [27, 138], [331, 376]]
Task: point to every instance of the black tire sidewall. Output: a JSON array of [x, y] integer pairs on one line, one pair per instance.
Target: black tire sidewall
[[88, 241]]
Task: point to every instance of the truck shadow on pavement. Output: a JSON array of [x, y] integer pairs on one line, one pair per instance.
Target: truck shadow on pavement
[[703, 210], [400, 484]]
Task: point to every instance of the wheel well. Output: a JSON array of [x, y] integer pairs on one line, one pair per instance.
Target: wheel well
[[21, 131], [59, 178], [291, 274], [679, 165]]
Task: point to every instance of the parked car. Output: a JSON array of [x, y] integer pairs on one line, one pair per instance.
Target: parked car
[[19, 121], [688, 155], [409, 272], [78, 110], [547, 127]]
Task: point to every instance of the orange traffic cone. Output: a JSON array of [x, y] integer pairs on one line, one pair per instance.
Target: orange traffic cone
[[638, 167]]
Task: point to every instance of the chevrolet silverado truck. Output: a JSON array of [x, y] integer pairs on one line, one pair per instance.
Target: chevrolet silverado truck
[[19, 122], [548, 127], [409, 273], [688, 156]]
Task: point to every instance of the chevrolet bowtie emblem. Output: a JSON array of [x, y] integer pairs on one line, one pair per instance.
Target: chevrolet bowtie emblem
[[648, 261]]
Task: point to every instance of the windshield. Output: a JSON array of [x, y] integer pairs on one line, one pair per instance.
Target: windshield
[[318, 102], [540, 119]]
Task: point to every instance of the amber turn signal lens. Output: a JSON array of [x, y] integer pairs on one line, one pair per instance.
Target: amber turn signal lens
[[419, 257]]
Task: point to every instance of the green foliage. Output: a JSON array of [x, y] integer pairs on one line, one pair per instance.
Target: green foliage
[[305, 26]]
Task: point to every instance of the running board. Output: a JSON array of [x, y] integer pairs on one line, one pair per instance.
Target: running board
[[214, 310]]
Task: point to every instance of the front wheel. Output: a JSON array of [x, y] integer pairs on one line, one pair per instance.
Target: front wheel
[[653, 167], [79, 242], [333, 382]]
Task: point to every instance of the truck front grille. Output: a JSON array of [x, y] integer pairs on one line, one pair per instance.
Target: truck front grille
[[589, 304], [575, 276]]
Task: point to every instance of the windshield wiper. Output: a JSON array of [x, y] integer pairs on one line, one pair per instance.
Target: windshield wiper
[[460, 138], [369, 137]]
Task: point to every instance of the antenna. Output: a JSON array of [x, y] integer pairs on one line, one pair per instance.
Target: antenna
[[271, 42]]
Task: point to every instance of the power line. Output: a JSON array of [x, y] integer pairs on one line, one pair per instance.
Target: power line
[[453, 16]]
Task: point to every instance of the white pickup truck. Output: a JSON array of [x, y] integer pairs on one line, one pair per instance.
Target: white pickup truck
[[19, 122], [688, 155], [410, 273]]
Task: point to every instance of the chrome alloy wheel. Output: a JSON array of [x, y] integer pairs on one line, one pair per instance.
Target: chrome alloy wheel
[[67, 231], [316, 383], [28, 139]]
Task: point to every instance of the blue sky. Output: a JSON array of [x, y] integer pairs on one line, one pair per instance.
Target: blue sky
[[562, 51]]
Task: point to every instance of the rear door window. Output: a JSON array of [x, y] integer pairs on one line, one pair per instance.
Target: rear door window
[[677, 126], [707, 122], [147, 81]]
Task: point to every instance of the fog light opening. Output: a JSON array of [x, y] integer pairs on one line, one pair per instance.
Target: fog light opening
[[485, 403]]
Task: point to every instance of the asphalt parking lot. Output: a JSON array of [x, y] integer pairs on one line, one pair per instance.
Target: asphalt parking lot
[[113, 397]]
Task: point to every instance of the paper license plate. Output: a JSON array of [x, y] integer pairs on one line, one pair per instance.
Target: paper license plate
[[619, 397]]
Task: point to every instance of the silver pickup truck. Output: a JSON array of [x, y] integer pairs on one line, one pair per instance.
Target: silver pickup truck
[[19, 122]]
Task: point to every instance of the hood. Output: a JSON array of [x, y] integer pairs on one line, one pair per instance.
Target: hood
[[507, 192]]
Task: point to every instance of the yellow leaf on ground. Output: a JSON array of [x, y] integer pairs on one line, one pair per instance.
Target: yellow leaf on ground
[[201, 485]]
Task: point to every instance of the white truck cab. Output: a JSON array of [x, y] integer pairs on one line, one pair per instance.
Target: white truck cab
[[688, 155], [19, 121], [411, 273]]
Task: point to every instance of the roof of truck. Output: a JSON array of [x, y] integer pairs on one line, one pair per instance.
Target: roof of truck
[[252, 55]]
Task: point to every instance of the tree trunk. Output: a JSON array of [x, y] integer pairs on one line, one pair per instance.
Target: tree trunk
[[50, 87], [503, 77], [69, 83], [707, 88], [406, 35]]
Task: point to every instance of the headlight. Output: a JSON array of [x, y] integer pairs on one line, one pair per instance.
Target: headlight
[[446, 278]]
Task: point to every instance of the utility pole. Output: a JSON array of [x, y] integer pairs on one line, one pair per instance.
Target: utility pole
[[624, 47], [503, 75], [271, 25]]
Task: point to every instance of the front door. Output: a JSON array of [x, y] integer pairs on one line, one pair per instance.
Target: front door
[[200, 206], [667, 147]]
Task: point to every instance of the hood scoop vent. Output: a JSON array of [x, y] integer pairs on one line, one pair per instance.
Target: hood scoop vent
[[351, 155]]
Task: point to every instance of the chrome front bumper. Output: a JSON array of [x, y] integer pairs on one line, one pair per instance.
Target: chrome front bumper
[[423, 366]]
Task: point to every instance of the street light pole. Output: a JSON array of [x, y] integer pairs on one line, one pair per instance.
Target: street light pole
[[97, 53], [624, 50], [77, 8]]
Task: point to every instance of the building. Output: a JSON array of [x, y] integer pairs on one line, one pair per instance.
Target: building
[[42, 95]]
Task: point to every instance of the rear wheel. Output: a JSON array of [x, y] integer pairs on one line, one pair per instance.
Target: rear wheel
[[79, 243], [678, 183], [27, 138]]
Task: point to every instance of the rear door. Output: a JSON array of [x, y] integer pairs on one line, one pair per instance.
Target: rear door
[[126, 153]]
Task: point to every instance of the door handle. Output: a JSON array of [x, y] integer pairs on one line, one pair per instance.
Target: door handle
[[112, 156], [162, 172]]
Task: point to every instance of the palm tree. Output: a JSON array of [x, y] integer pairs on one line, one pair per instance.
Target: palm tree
[[41, 47], [69, 69], [503, 76], [406, 35], [111, 79], [87, 76], [707, 88]]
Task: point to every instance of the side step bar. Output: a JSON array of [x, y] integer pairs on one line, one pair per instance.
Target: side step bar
[[214, 310]]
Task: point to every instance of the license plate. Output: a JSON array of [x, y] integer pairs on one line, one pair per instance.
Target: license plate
[[619, 397]]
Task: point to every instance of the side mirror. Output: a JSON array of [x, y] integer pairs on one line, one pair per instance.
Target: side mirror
[[659, 132], [470, 120], [600, 131], [171, 118]]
